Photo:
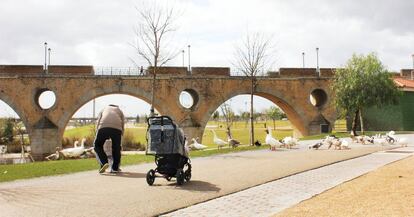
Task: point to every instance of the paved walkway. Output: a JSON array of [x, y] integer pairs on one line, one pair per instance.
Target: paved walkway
[[273, 197], [127, 194]]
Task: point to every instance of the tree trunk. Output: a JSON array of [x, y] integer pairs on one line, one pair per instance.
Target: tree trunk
[[274, 124], [251, 113], [152, 111], [355, 123], [361, 121]]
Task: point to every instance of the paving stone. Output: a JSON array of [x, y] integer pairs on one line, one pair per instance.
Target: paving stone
[[273, 197]]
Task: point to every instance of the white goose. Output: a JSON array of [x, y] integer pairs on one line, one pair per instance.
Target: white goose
[[197, 146], [271, 141], [75, 151], [186, 148], [219, 142], [289, 142], [402, 142]]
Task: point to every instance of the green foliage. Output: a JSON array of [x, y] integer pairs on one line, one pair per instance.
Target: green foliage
[[245, 116], [274, 113], [216, 115], [8, 131], [364, 82], [137, 119]]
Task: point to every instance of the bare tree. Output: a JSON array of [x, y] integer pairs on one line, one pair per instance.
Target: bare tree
[[228, 115], [155, 26], [252, 57]]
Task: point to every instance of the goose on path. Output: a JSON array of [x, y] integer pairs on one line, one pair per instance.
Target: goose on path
[[219, 142]]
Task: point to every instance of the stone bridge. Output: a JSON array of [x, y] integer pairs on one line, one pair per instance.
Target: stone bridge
[[290, 89]]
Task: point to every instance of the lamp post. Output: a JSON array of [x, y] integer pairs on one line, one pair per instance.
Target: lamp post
[[182, 51], [303, 59], [317, 62], [189, 65], [49, 51], [45, 68]]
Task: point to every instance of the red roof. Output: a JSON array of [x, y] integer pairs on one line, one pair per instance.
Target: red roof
[[401, 82]]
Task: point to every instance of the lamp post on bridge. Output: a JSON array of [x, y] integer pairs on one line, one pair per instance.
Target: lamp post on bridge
[[182, 51], [189, 64], [317, 62], [49, 51], [45, 67], [303, 60]]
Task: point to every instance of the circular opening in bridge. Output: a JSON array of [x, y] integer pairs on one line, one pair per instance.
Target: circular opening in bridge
[[188, 98], [318, 97], [46, 99]]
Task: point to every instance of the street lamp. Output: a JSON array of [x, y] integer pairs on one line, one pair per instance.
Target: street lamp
[[303, 59], [45, 68], [182, 51], [189, 65], [50, 50], [317, 62]]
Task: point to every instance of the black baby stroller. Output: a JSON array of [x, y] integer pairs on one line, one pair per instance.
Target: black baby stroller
[[166, 141]]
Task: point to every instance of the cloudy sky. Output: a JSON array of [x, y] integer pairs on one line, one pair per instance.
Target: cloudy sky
[[100, 32]]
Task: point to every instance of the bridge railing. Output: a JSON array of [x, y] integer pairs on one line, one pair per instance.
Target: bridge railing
[[238, 72], [134, 71], [119, 71]]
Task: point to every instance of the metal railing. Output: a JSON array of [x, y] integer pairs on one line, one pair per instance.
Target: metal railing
[[119, 71], [134, 71], [238, 72]]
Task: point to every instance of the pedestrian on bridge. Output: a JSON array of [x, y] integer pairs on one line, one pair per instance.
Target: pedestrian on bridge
[[109, 125]]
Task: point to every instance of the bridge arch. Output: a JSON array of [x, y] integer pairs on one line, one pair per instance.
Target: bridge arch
[[16, 108], [292, 112], [91, 96]]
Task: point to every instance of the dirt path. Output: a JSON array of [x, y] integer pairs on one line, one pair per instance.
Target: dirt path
[[388, 191], [90, 194]]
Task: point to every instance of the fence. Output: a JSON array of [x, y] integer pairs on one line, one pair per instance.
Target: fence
[[119, 71]]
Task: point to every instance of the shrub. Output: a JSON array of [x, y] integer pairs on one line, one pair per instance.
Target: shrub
[[14, 147], [129, 144]]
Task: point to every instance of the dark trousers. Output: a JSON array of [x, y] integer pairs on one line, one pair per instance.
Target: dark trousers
[[102, 135]]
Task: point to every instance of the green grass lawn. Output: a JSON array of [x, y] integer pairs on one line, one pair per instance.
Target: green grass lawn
[[240, 131], [51, 168]]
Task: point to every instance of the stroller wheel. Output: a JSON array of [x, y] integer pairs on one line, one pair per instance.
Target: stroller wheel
[[180, 177], [168, 178], [150, 177], [187, 175]]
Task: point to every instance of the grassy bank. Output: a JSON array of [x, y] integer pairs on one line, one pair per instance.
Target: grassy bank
[[240, 131], [51, 168]]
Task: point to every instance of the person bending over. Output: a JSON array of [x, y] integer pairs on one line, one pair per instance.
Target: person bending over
[[109, 125]]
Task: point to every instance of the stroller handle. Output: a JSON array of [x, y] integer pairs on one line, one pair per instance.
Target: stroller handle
[[159, 117]]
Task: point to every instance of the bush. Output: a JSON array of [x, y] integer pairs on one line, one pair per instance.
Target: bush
[[128, 141], [67, 142], [14, 147], [8, 132], [129, 144]]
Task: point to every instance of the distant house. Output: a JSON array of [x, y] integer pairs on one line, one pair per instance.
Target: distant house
[[394, 117]]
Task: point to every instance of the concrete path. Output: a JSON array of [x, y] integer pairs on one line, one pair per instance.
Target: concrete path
[[275, 196], [127, 194]]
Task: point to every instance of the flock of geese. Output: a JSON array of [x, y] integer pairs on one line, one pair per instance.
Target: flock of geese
[[67, 153], [287, 142], [219, 142]]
